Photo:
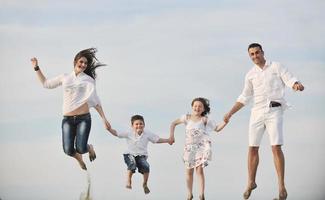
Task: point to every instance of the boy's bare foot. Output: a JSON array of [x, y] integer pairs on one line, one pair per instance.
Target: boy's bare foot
[[91, 152], [146, 189], [190, 197], [129, 184]]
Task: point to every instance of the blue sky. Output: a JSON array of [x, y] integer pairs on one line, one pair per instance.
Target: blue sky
[[160, 55]]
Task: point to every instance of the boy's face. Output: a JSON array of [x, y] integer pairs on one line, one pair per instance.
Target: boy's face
[[138, 126]]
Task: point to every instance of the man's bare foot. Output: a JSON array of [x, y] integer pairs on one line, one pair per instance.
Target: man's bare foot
[[248, 191], [282, 195], [146, 189], [91, 152]]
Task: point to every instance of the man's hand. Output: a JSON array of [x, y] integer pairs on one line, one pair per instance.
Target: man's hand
[[298, 87]]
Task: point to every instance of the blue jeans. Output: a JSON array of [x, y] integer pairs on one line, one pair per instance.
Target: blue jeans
[[75, 133], [132, 162]]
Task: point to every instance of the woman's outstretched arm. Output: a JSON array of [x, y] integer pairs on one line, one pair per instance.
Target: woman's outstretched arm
[[39, 73]]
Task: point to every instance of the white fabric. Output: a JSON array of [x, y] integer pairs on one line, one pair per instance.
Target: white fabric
[[197, 149], [77, 90], [137, 144], [265, 85], [271, 121]]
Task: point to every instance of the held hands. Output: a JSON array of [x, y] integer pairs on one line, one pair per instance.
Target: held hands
[[171, 140], [221, 126], [298, 87]]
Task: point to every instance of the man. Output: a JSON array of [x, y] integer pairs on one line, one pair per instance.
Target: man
[[265, 83]]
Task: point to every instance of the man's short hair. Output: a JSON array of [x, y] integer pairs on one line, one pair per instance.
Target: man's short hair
[[253, 45]]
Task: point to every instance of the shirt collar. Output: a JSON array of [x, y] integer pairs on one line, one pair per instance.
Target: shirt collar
[[79, 75], [267, 64]]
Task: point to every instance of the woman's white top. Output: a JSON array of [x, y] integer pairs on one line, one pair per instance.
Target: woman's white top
[[77, 90]]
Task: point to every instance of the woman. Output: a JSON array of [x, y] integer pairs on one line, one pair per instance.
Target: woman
[[79, 94]]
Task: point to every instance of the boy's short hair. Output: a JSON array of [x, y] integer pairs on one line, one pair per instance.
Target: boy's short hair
[[136, 117]]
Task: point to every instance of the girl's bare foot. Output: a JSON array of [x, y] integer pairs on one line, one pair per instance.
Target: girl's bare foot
[[190, 197], [91, 152], [78, 157]]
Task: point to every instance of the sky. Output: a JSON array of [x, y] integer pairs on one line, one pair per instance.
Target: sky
[[160, 55]]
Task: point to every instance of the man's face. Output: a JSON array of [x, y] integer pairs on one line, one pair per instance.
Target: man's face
[[257, 55], [138, 126]]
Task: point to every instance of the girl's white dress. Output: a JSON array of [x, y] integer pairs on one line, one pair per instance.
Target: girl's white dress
[[197, 149]]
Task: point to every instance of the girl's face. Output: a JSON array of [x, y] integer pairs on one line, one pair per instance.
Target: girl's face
[[197, 108], [138, 126], [80, 65]]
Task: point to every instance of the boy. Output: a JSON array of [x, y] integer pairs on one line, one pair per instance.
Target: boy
[[137, 154]]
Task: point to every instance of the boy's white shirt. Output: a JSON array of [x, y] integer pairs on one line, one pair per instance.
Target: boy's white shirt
[[138, 144]]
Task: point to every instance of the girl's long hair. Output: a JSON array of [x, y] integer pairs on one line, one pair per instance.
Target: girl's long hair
[[93, 63], [206, 105]]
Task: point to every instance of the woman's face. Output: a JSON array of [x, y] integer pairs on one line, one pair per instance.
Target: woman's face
[[81, 65], [197, 108]]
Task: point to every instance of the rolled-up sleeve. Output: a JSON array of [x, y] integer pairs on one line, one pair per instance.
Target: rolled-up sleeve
[[53, 82], [286, 76], [153, 137], [122, 134], [247, 92], [94, 100]]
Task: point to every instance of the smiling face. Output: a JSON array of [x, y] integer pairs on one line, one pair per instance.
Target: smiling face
[[257, 56], [80, 65], [138, 126], [197, 108]]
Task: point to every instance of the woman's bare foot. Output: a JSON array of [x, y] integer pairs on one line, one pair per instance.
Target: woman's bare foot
[[91, 152], [78, 157]]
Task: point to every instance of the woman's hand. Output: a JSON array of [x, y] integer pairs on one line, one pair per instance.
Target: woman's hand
[[107, 125], [34, 62]]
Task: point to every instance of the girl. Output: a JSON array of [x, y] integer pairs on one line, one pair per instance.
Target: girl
[[197, 150], [79, 94]]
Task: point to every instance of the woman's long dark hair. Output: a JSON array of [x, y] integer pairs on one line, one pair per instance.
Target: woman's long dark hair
[[93, 63]]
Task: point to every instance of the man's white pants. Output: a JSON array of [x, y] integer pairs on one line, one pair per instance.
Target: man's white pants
[[269, 120]]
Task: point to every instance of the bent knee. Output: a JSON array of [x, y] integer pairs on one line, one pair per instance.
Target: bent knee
[[70, 151], [82, 149]]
